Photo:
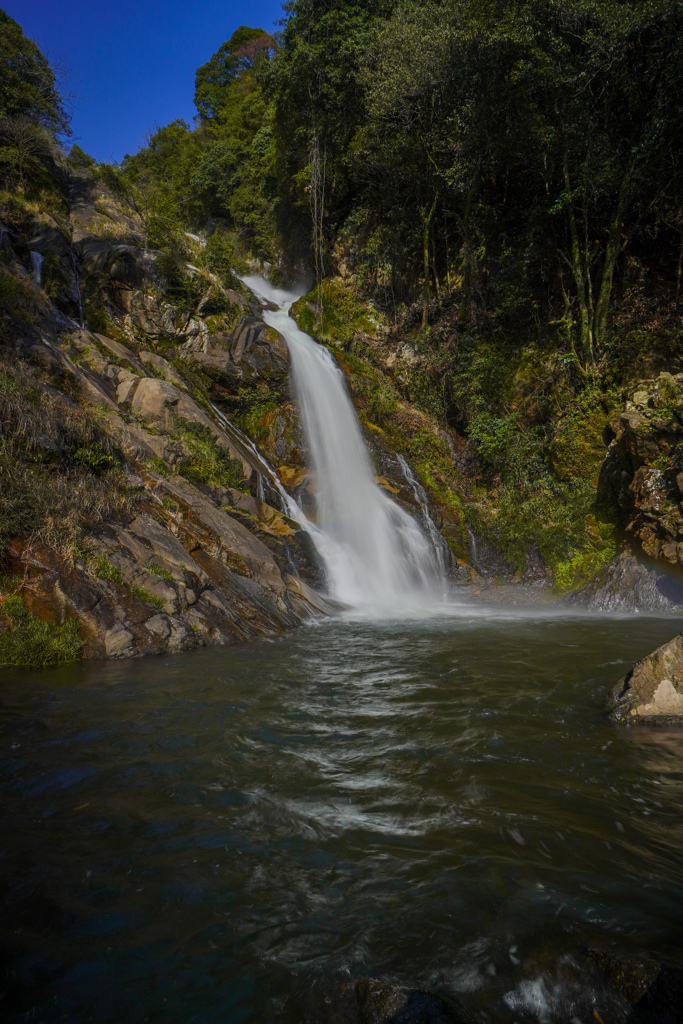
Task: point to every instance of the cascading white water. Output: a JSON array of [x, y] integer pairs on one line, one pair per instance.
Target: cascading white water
[[37, 267], [377, 557]]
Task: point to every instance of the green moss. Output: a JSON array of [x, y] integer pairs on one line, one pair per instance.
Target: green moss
[[209, 462], [103, 569], [158, 465], [579, 570], [145, 595], [30, 642], [577, 449], [335, 314], [158, 570]]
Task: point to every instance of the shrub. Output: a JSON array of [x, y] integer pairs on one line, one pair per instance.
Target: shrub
[[94, 458], [30, 642]]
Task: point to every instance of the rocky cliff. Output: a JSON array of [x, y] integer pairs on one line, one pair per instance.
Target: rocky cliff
[[132, 504]]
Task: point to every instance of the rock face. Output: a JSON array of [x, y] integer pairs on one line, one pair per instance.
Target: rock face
[[642, 475], [653, 689], [626, 585], [182, 573], [250, 349]]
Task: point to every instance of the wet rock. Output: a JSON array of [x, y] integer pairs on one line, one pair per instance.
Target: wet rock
[[638, 479], [385, 1004], [626, 585], [653, 689], [663, 1001], [631, 977], [118, 642], [250, 350]]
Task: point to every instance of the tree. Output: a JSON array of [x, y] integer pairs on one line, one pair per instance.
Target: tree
[[242, 53], [32, 113]]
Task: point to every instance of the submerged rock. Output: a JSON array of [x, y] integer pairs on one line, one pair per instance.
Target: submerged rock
[[653, 689], [385, 1004]]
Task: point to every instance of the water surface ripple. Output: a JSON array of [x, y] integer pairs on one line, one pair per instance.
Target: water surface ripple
[[215, 836]]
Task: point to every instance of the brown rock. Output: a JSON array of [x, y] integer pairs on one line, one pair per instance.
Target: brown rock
[[653, 689]]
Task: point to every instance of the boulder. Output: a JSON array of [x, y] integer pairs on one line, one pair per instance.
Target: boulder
[[653, 689], [380, 1003], [626, 585], [152, 317], [163, 366], [251, 349], [638, 478]]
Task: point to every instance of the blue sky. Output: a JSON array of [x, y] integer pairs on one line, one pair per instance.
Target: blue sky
[[129, 66]]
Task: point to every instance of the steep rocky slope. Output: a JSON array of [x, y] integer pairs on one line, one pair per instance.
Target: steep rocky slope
[[181, 549]]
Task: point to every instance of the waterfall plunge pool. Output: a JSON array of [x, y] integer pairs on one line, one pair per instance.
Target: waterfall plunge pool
[[227, 835]]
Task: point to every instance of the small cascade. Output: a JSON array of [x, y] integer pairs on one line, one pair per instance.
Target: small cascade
[[37, 260], [441, 549], [472, 547], [377, 557]]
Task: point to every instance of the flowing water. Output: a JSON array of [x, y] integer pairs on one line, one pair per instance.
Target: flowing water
[[225, 835], [377, 558]]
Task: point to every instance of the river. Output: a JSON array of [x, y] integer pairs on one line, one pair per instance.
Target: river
[[228, 835]]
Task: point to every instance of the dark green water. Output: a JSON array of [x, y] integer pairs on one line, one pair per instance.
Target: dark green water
[[224, 835]]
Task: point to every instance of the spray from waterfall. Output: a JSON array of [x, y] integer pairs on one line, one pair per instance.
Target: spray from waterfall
[[377, 557]]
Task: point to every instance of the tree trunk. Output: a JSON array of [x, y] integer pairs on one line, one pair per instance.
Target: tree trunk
[[614, 249], [579, 273], [426, 291]]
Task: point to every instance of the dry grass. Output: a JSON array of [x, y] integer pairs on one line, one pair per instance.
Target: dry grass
[[59, 473]]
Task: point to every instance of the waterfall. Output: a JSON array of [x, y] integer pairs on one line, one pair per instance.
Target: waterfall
[[377, 558], [441, 549], [37, 267]]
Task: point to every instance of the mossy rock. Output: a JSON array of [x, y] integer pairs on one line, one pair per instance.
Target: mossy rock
[[334, 314]]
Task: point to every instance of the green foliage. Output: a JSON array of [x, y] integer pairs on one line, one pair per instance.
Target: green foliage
[[334, 314], [32, 113], [103, 569], [157, 465], [240, 55], [145, 595], [158, 570], [95, 458], [209, 463], [581, 569], [30, 642], [79, 159]]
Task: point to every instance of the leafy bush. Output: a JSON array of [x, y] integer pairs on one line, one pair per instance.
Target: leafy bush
[[94, 458], [30, 642]]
